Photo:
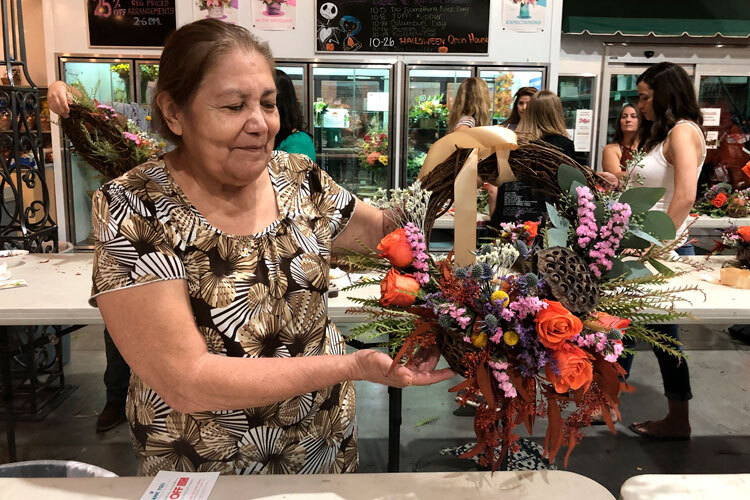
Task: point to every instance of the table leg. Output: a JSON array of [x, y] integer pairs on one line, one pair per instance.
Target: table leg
[[394, 428], [10, 423]]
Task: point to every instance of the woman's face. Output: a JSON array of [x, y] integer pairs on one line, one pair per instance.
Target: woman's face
[[629, 119], [523, 103], [646, 101], [230, 125]]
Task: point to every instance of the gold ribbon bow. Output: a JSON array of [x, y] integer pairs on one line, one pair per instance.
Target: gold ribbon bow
[[484, 141]]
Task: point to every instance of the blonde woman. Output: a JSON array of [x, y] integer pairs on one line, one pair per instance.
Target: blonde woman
[[543, 120], [471, 107]]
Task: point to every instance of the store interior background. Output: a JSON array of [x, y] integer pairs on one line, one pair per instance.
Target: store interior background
[[55, 30]]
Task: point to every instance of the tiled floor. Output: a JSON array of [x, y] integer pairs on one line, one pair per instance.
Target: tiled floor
[[720, 417]]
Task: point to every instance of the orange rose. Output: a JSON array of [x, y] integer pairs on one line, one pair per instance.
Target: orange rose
[[398, 289], [532, 228], [555, 325], [575, 369], [744, 232], [746, 169], [719, 200], [612, 322], [395, 247]]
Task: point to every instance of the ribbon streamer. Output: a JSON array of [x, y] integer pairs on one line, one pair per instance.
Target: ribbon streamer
[[484, 141]]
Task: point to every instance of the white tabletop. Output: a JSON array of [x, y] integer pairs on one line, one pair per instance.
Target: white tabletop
[[706, 222], [686, 487], [60, 285], [560, 485]]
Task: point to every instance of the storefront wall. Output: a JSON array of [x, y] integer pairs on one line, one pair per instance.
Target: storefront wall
[[66, 35]]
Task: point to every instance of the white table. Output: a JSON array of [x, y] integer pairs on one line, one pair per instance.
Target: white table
[[686, 487], [707, 229], [560, 485]]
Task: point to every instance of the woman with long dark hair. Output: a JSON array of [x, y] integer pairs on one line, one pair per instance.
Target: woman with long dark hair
[[675, 148], [520, 103], [292, 136], [616, 155]]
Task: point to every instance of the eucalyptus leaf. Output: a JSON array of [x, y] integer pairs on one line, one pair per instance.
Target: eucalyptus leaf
[[566, 175], [632, 241], [618, 269], [573, 193], [645, 236], [599, 213], [557, 237], [636, 269], [555, 218], [642, 199], [660, 225]]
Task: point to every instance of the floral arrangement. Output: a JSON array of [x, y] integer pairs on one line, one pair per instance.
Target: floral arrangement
[[271, 2], [414, 165], [205, 4], [122, 70], [149, 72], [320, 107], [108, 141], [536, 324], [373, 149], [429, 108], [720, 200], [737, 238]]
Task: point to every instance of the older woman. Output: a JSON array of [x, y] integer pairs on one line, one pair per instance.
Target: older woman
[[211, 270]]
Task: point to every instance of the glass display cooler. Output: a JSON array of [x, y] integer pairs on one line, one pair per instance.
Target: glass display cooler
[[430, 91], [352, 129], [111, 81], [297, 73], [577, 92]]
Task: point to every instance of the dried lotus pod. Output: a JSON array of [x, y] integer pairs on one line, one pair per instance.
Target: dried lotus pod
[[569, 279]]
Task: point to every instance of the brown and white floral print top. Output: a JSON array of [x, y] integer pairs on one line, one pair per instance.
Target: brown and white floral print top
[[262, 295]]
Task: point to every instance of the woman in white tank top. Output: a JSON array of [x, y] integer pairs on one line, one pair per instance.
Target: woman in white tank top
[[673, 140]]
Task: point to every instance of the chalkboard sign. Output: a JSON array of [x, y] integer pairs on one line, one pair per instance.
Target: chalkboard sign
[[417, 26], [130, 23]]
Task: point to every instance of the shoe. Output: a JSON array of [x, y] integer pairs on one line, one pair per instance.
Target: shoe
[[636, 428], [596, 419], [111, 416]]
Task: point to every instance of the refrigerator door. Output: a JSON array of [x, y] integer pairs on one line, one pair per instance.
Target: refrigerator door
[[352, 108], [297, 72], [504, 83], [430, 92], [146, 76], [577, 92]]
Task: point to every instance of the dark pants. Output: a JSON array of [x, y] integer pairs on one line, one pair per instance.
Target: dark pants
[[674, 372], [117, 372]]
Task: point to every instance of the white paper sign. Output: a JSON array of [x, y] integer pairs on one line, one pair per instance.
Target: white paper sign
[[227, 13], [377, 101], [336, 118], [169, 485], [712, 139], [711, 117], [584, 126], [524, 15], [274, 16]]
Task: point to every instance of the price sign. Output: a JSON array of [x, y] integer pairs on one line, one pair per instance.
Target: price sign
[[130, 23]]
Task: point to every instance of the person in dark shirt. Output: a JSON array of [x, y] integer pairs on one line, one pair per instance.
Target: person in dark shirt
[[543, 120]]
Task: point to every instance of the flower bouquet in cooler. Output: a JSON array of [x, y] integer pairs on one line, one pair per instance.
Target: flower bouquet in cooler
[[428, 112], [720, 200], [535, 325], [373, 149]]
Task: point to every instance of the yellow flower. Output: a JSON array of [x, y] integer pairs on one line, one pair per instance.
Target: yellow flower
[[383, 159], [479, 339], [148, 118], [500, 295], [510, 337]]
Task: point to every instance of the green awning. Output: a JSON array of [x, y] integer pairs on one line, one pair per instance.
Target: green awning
[[697, 18]]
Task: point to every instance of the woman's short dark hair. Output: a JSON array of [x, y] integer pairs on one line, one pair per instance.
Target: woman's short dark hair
[[290, 110], [515, 117], [674, 100], [619, 135], [189, 55]]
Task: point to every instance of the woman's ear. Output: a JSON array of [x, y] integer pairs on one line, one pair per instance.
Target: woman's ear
[[170, 112]]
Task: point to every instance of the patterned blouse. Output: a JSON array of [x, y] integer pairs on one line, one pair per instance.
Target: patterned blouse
[[252, 296]]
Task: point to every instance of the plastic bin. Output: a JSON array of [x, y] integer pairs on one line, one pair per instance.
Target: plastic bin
[[53, 468]]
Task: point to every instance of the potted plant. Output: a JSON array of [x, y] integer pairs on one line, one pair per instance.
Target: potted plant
[[320, 108], [373, 149], [273, 7], [428, 112], [215, 7]]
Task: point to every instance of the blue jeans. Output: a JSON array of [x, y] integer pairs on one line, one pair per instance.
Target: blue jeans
[[674, 372]]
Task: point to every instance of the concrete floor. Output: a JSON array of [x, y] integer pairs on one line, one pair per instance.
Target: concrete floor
[[720, 418]]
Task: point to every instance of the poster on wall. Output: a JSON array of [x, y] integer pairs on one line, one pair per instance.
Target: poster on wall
[[411, 26], [525, 16], [274, 15], [224, 10], [130, 23]]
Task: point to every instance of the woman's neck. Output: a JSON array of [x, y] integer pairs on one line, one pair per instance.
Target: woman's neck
[[630, 139]]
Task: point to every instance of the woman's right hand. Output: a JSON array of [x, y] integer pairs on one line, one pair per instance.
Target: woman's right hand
[[57, 98], [375, 366]]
